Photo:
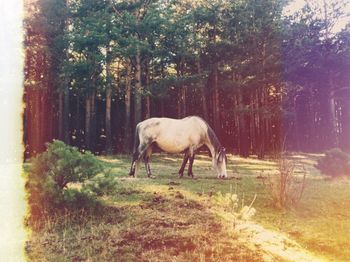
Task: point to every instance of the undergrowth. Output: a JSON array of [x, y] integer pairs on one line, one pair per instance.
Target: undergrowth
[[165, 227], [49, 178], [334, 163]]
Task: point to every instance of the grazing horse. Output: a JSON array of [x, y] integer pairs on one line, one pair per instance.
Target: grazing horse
[[176, 136]]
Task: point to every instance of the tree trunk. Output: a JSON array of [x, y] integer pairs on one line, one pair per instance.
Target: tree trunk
[[63, 116], [60, 114], [162, 107], [93, 126], [162, 99], [262, 125], [148, 96], [184, 100], [35, 126], [179, 107], [26, 117], [202, 92], [345, 120], [236, 123], [87, 122], [215, 93], [108, 120], [243, 134], [334, 139], [66, 118], [108, 146], [215, 100], [77, 122], [182, 91], [50, 112], [41, 121], [35, 122], [179, 91], [182, 110], [127, 130], [138, 90], [252, 123]]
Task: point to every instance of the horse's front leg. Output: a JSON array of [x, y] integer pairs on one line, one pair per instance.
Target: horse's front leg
[[184, 162], [191, 153]]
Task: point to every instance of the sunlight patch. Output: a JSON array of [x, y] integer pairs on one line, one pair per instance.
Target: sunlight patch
[[12, 196], [275, 243]]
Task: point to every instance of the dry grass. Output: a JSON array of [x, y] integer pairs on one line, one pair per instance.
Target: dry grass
[[166, 227], [170, 219], [173, 228]]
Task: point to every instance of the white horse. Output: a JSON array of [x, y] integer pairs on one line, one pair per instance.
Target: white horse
[[176, 136]]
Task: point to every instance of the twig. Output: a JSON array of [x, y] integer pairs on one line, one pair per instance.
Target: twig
[[251, 204]]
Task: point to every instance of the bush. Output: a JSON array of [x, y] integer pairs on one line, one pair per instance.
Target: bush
[[335, 163], [52, 171], [101, 185], [286, 187]]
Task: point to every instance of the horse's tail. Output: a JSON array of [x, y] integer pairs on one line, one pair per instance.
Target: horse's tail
[[136, 140], [135, 155]]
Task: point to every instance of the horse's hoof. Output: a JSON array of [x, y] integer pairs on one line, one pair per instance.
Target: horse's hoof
[[151, 176], [180, 175]]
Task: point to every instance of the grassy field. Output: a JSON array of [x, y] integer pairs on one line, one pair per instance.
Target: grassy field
[[172, 219]]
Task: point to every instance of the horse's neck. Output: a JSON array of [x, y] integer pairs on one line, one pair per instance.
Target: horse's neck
[[212, 150]]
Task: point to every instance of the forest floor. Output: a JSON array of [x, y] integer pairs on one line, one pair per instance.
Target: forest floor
[[172, 219]]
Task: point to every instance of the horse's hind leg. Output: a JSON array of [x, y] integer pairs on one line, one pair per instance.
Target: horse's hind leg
[[184, 162], [138, 153], [146, 158], [190, 172], [135, 158]]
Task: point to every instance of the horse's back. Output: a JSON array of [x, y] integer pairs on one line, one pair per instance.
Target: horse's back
[[187, 123]]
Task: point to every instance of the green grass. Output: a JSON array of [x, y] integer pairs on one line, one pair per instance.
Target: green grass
[[169, 219]]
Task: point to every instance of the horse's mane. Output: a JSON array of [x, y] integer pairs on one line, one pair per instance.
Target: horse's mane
[[212, 136]]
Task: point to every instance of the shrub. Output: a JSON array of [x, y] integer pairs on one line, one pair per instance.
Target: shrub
[[52, 171], [74, 199], [100, 185], [286, 187], [334, 163]]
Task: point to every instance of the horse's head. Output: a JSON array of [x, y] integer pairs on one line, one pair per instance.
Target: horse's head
[[220, 163]]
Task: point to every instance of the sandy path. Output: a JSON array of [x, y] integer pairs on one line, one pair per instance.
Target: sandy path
[[272, 244]]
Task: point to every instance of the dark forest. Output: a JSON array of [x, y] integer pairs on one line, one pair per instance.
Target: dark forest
[[264, 81]]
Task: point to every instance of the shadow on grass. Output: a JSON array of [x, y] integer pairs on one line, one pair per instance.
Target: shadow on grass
[[80, 212]]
